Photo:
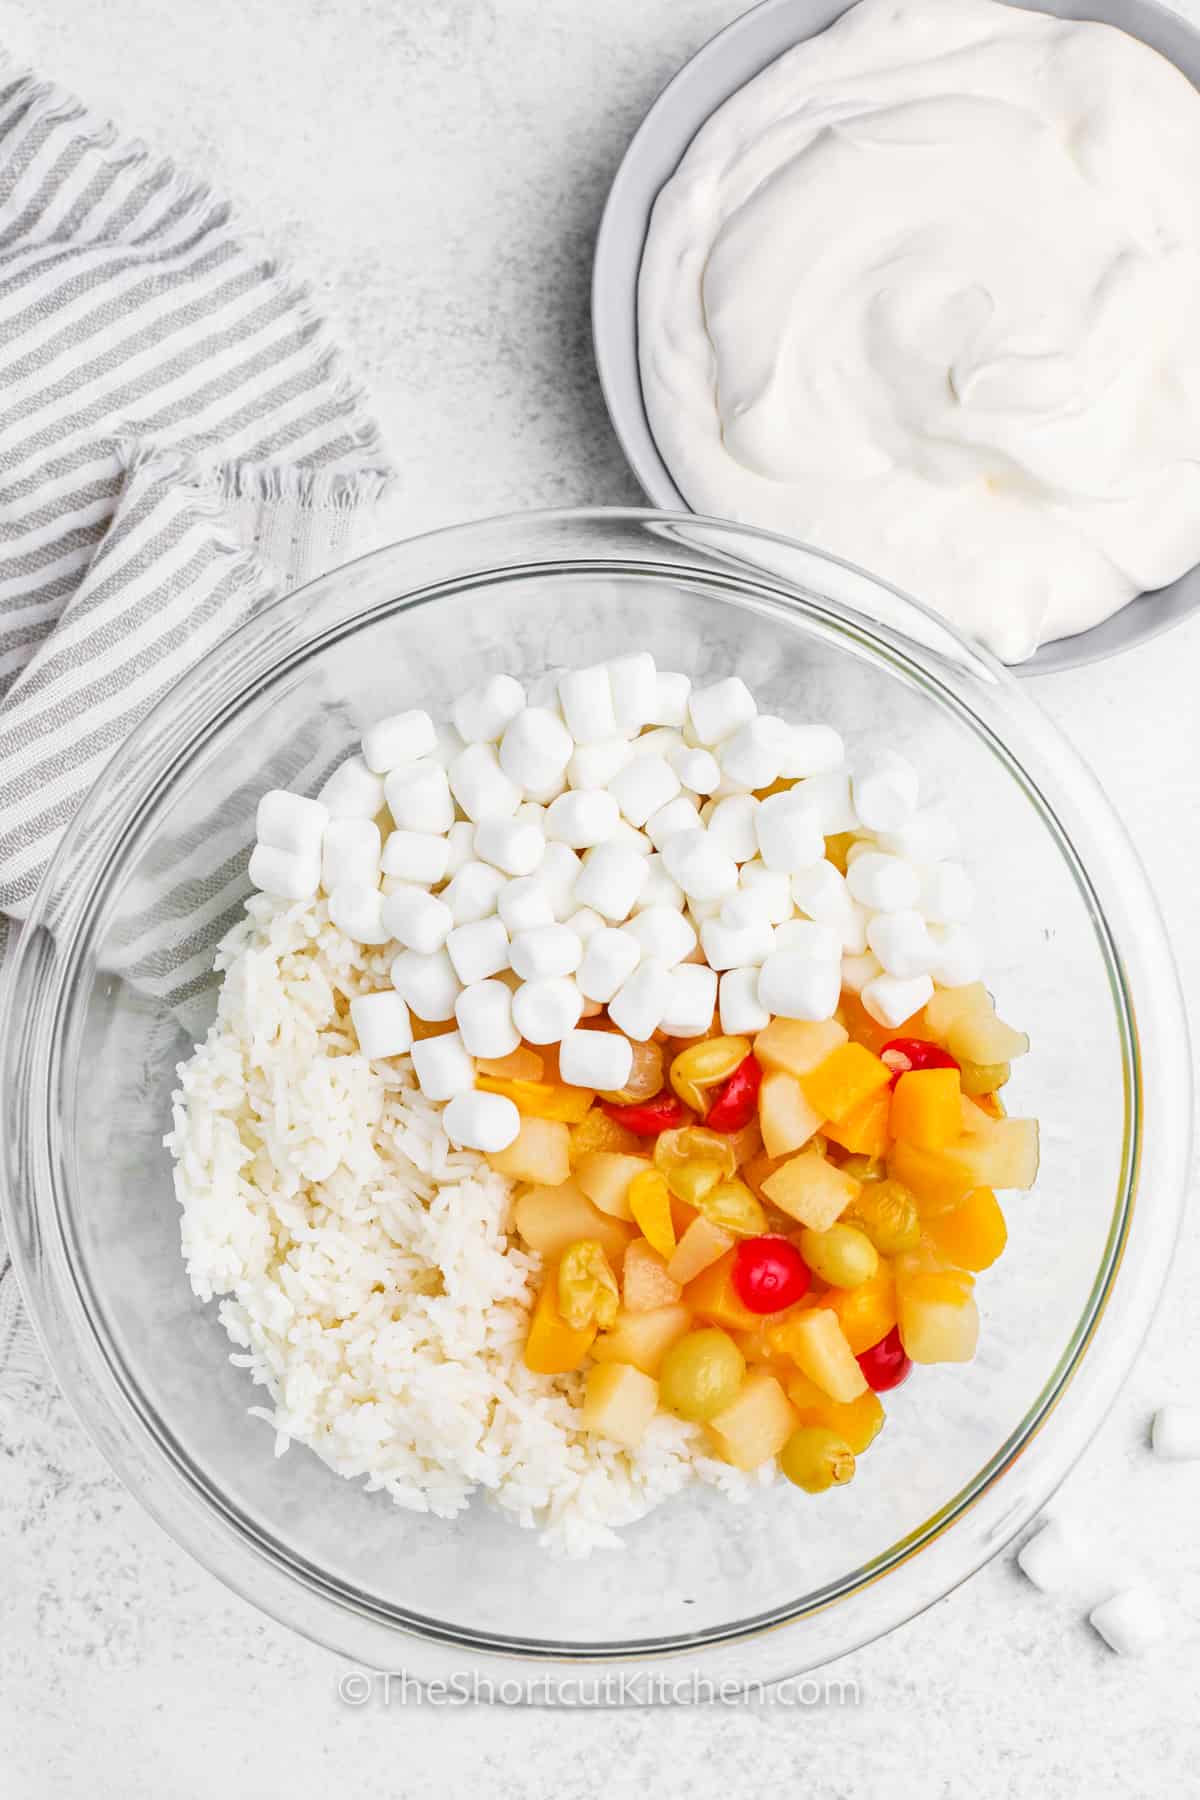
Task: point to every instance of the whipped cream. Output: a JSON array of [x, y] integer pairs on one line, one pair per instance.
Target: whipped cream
[[926, 294]]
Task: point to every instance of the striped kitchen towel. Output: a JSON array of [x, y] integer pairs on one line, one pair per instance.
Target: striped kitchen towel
[[179, 443]]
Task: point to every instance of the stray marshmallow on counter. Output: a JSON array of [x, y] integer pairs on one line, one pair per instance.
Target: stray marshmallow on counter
[[1130, 1623]]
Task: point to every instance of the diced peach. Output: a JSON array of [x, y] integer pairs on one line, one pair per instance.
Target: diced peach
[[755, 1426], [858, 1422], [983, 1038], [645, 1283], [973, 1233], [817, 1345], [866, 1131], [549, 1219], [797, 1045], [844, 1080], [553, 1347], [937, 1179], [867, 1312], [701, 1244], [540, 1152], [787, 1118], [643, 1339], [810, 1189], [650, 1208], [596, 1131], [713, 1297], [521, 1064], [927, 1108], [619, 1401], [950, 1004], [868, 1031], [938, 1317], [605, 1175], [541, 1099]]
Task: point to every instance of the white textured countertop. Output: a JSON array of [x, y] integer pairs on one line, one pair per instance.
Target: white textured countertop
[[436, 168]]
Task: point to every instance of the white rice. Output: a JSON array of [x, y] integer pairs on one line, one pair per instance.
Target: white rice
[[367, 1271]]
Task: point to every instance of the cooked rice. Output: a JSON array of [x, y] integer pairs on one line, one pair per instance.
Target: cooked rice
[[369, 1277]]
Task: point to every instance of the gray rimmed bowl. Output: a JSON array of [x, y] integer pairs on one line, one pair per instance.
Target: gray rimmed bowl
[[725, 64]]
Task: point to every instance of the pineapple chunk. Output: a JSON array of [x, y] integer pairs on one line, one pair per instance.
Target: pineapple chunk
[[845, 1080], [540, 1152], [817, 1345], [713, 1297], [643, 1339], [702, 1243], [810, 1189], [596, 1131], [521, 1064], [983, 1038], [1003, 1153], [787, 1117], [796, 1045], [927, 1108], [645, 1283], [605, 1175], [553, 1347], [950, 1004], [938, 1317], [755, 1426], [619, 1401], [551, 1218]]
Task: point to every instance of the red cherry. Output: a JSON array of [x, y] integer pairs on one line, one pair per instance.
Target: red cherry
[[886, 1363], [904, 1054], [769, 1274]]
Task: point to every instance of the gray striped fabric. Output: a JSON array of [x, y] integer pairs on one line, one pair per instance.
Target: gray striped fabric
[[179, 442]]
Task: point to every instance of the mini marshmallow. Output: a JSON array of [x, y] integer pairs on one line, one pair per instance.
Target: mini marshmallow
[[427, 982], [381, 1024], [448, 747], [796, 986], [891, 1000], [807, 750], [863, 846], [885, 787], [737, 946], [680, 814], [442, 1066], [546, 950], [418, 798], [828, 796], [751, 756], [820, 892], [638, 1005], [586, 698], [545, 1010], [482, 715], [585, 924], [417, 920], [582, 819], [1048, 1559], [515, 846], [596, 1059], [286, 876], [609, 958], [644, 786], [350, 852], [769, 888], [416, 856], [789, 833], [477, 1121], [716, 712], [663, 741], [543, 692], [460, 847], [902, 943], [698, 770], [353, 791], [701, 911], [478, 950], [691, 1000], [474, 893], [663, 934], [524, 904], [535, 750], [594, 765], [290, 822], [610, 881], [882, 883], [731, 825], [402, 738], [557, 873], [956, 957], [356, 908], [1130, 1623], [947, 894], [633, 683], [703, 870], [927, 837], [530, 812], [742, 1012], [484, 1014], [659, 889], [633, 839], [805, 937], [1175, 1433], [480, 785], [741, 910], [672, 692], [858, 969]]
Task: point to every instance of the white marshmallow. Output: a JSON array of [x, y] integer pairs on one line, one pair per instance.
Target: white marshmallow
[[350, 852], [609, 958], [691, 1000], [418, 798], [741, 910], [804, 937], [594, 765], [460, 847], [752, 755], [484, 1014], [474, 893], [633, 683], [416, 856], [1130, 1623], [701, 911], [644, 786], [610, 881], [698, 770], [741, 1009], [863, 846], [280, 873], [633, 839], [820, 892], [524, 904], [732, 827], [478, 950], [291, 823], [663, 934], [659, 889], [545, 1010], [927, 837], [890, 1000], [947, 894], [771, 889], [882, 883], [585, 924], [638, 1005], [442, 1066], [513, 845], [357, 909], [858, 969], [737, 946], [381, 1024], [427, 982], [828, 796], [543, 692], [530, 812], [558, 872], [480, 785], [663, 741], [353, 791], [716, 712], [477, 1121], [796, 986], [672, 692], [680, 814], [448, 747], [902, 943], [810, 750], [582, 819], [417, 920], [535, 750], [789, 833], [1175, 1433], [885, 787], [586, 698], [546, 950], [703, 870], [1048, 1559], [956, 957], [596, 1059], [402, 738], [481, 716]]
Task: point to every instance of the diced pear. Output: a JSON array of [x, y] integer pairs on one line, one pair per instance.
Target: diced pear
[[787, 1117], [619, 1401], [605, 1175], [645, 1283], [643, 1339], [798, 1045], [1004, 1155], [701, 1244], [549, 1219], [817, 1345], [540, 1152], [810, 1189], [950, 1004], [755, 1426], [938, 1317], [983, 1038]]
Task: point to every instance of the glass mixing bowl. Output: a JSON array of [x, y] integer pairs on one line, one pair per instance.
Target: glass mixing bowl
[[110, 983]]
